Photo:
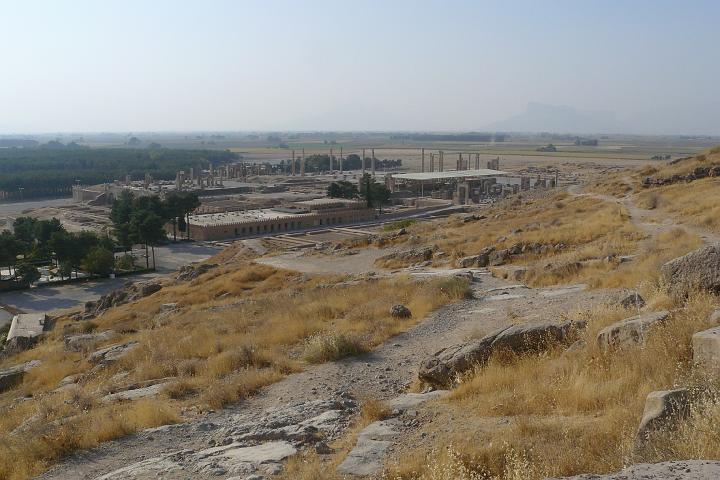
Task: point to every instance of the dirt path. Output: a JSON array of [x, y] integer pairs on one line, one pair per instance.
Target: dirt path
[[195, 449], [652, 222]]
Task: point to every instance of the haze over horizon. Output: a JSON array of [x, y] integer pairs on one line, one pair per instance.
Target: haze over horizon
[[620, 67]]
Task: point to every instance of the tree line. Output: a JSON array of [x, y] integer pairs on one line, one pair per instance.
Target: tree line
[[42, 172], [321, 163]]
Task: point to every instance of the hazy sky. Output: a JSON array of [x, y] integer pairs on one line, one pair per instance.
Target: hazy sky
[[106, 65]]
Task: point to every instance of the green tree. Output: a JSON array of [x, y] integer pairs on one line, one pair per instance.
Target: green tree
[[189, 202], [373, 192], [342, 189], [65, 269], [45, 228], [27, 274], [10, 248], [174, 210], [146, 227], [98, 261], [120, 213], [24, 228]]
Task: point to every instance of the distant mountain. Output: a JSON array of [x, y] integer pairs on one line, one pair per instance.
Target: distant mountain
[[539, 117]]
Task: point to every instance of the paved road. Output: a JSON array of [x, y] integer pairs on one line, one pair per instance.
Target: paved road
[[49, 299]]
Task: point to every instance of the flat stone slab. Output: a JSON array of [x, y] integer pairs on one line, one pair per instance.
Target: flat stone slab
[[134, 394], [27, 325], [229, 459], [112, 353], [263, 453], [509, 287], [411, 400], [368, 455], [676, 470], [495, 298], [557, 292]]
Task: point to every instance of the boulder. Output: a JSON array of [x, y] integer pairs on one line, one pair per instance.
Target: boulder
[[400, 311], [20, 344], [630, 331], [86, 341], [498, 257], [444, 366], [662, 411], [14, 375], [111, 354], [414, 255], [632, 300], [467, 262], [706, 349], [698, 269]]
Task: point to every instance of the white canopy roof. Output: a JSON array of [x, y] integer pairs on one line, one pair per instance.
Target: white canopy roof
[[483, 172]]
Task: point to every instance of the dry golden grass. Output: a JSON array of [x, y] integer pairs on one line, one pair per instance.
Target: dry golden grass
[[693, 203], [238, 327], [573, 221], [569, 413], [36, 449]]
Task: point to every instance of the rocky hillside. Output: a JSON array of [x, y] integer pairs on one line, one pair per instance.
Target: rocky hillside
[[567, 334]]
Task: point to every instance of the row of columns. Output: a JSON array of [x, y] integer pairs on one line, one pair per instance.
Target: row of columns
[[462, 163], [340, 161]]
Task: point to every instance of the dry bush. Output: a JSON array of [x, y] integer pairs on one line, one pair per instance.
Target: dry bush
[[373, 410], [326, 347]]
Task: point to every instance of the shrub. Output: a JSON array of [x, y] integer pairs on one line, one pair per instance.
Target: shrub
[[332, 346]]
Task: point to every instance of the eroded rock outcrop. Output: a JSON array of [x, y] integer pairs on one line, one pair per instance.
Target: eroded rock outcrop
[[699, 269], [86, 341], [130, 292], [12, 376], [415, 255], [445, 365], [112, 353], [191, 272]]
